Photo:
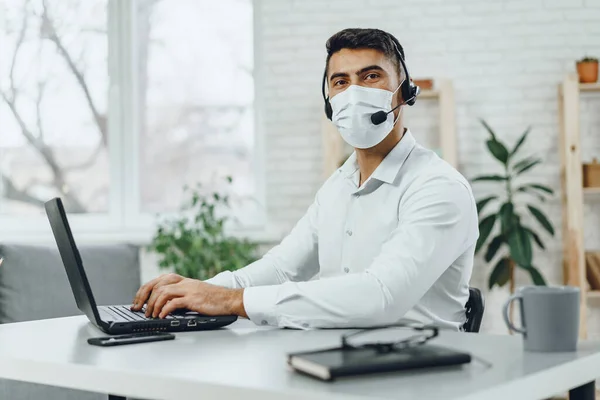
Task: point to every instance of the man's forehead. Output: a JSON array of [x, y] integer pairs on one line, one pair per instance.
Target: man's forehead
[[352, 60]]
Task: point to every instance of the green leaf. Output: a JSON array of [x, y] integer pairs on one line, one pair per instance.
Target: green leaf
[[523, 162], [500, 274], [489, 129], [536, 276], [490, 178], [507, 217], [520, 142], [485, 227], [493, 247], [527, 166], [519, 243], [541, 188], [535, 237], [541, 219], [483, 202], [525, 189], [532, 187], [498, 150]]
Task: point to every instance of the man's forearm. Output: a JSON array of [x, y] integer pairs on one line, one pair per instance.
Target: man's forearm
[[323, 303]]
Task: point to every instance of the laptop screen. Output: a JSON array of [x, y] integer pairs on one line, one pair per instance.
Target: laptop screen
[[71, 259]]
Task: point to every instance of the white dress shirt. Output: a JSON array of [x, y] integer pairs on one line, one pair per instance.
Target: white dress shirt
[[398, 248]]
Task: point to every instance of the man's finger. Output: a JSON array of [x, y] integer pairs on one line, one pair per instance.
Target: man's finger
[[157, 291], [168, 293], [179, 302], [143, 293]]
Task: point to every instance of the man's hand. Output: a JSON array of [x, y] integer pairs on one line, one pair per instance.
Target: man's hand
[[192, 294], [143, 294]]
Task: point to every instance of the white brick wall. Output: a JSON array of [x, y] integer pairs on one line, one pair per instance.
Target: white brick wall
[[505, 58]]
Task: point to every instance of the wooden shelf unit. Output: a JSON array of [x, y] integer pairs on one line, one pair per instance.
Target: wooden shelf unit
[[573, 191], [333, 144]]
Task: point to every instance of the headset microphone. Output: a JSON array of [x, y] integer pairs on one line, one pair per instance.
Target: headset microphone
[[380, 116]]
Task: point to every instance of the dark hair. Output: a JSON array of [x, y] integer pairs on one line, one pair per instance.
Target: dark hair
[[358, 38]]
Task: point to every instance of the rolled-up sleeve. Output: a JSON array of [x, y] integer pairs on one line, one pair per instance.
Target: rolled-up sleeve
[[437, 222]]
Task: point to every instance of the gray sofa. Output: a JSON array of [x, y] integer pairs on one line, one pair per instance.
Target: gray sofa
[[34, 285]]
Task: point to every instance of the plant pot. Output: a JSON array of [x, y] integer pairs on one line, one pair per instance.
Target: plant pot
[[587, 71], [591, 174]]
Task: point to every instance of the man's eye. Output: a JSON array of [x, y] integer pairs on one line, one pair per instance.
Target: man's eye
[[339, 82], [372, 76]]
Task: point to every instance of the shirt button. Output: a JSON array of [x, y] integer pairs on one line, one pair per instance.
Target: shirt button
[[264, 322], [346, 270], [349, 232]]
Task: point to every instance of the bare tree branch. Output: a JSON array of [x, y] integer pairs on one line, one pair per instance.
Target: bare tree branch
[[86, 164], [36, 142], [98, 31], [18, 45], [50, 30], [38, 111], [48, 156], [11, 192]]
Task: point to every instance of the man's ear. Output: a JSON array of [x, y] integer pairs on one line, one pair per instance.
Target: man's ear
[[399, 98]]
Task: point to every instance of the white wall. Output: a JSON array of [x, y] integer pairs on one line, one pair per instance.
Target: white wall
[[505, 58]]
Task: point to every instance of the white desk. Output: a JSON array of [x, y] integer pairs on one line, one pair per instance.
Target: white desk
[[245, 361]]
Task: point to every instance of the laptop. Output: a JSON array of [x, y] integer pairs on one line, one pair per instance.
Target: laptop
[[118, 319]]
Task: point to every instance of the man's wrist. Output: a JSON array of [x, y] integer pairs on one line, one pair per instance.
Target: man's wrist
[[237, 303]]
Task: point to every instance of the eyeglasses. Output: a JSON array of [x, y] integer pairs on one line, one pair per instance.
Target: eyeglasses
[[425, 334]]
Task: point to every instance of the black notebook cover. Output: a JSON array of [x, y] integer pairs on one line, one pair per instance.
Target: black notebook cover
[[334, 363]]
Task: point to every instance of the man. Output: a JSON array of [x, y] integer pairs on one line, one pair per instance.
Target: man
[[390, 236]]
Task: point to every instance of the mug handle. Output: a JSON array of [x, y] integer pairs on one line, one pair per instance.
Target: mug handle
[[516, 296]]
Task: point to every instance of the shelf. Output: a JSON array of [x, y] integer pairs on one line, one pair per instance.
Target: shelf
[[589, 87], [429, 94], [593, 294], [592, 191]]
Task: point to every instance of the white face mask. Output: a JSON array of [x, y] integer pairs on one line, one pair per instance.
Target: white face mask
[[352, 110]]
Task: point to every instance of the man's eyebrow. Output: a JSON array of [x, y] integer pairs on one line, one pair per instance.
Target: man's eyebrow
[[359, 72], [369, 68], [338, 75]]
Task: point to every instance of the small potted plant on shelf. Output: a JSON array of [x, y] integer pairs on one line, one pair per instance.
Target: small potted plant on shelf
[[512, 244], [587, 69]]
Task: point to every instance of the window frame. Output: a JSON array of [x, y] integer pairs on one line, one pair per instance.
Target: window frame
[[125, 221]]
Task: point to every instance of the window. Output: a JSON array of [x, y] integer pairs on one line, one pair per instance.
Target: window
[[196, 96], [116, 105], [53, 114]]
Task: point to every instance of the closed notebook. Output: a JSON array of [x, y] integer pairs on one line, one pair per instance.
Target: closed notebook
[[335, 363]]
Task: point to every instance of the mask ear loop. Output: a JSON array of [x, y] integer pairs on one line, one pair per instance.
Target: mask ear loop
[[402, 106]]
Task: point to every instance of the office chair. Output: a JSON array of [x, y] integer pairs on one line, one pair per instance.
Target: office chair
[[474, 310]]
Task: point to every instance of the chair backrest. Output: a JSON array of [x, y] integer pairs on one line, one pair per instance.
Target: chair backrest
[[474, 310]]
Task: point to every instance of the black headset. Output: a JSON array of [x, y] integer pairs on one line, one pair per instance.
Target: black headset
[[408, 89]]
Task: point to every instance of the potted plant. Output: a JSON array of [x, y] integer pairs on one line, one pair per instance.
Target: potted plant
[[587, 69], [512, 244], [194, 244]]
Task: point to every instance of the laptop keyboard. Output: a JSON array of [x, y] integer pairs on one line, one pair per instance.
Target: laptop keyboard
[[126, 313]]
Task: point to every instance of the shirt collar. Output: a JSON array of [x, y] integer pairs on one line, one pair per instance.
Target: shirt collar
[[389, 168]]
